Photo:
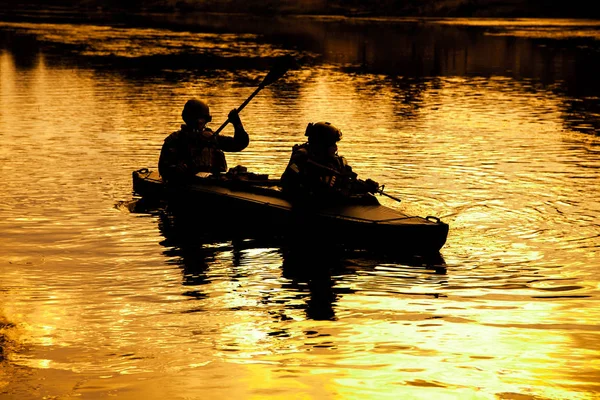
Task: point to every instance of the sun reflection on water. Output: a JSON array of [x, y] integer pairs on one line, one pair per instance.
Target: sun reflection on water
[[130, 303]]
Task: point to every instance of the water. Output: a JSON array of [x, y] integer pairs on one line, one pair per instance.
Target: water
[[492, 126]]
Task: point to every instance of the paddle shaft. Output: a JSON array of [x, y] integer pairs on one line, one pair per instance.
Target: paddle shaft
[[240, 108], [276, 72]]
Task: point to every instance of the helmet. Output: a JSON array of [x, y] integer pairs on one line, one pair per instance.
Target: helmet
[[195, 109], [323, 133]]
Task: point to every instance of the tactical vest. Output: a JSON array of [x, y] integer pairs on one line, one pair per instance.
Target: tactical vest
[[206, 156], [306, 175]]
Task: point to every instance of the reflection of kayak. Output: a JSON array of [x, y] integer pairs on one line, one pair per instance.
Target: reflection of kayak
[[253, 202]]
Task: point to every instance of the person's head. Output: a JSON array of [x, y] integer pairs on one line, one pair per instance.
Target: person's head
[[323, 136], [196, 113]]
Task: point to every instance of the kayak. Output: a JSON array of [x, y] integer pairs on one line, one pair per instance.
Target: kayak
[[254, 204]]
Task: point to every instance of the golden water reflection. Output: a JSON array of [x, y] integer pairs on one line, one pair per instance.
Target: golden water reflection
[[103, 301]]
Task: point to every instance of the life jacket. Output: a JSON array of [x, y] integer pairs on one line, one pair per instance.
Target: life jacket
[[209, 158], [205, 154], [301, 175]]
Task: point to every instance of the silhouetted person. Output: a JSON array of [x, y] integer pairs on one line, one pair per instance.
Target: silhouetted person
[[195, 148], [315, 169]]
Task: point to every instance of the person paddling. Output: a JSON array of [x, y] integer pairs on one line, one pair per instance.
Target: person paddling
[[315, 170], [195, 148]]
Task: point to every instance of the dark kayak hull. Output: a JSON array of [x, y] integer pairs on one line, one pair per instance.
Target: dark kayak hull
[[259, 207]]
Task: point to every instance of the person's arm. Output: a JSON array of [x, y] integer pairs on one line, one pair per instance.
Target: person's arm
[[240, 139], [348, 179], [325, 170]]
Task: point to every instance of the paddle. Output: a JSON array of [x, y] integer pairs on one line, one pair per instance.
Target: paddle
[[277, 71]]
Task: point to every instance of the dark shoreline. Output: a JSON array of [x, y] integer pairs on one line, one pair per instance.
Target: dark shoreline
[[94, 10]]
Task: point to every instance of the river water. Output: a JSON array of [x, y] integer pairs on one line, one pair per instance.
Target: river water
[[491, 125]]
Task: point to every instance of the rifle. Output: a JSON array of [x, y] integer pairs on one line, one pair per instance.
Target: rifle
[[379, 188]]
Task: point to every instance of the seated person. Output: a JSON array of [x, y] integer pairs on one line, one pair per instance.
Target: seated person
[[194, 148], [316, 170]]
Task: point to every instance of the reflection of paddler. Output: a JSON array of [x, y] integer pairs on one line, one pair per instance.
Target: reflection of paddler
[[194, 243], [195, 148], [186, 248], [312, 263]]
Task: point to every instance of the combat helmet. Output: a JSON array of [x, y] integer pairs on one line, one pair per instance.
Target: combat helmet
[[195, 109], [323, 133]]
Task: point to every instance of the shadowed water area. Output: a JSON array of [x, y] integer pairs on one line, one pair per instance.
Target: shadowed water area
[[491, 125]]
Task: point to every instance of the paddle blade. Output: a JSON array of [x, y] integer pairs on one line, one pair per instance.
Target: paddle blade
[[280, 67]]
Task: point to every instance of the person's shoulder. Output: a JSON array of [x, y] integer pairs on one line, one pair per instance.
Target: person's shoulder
[[300, 148], [299, 151], [174, 136]]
